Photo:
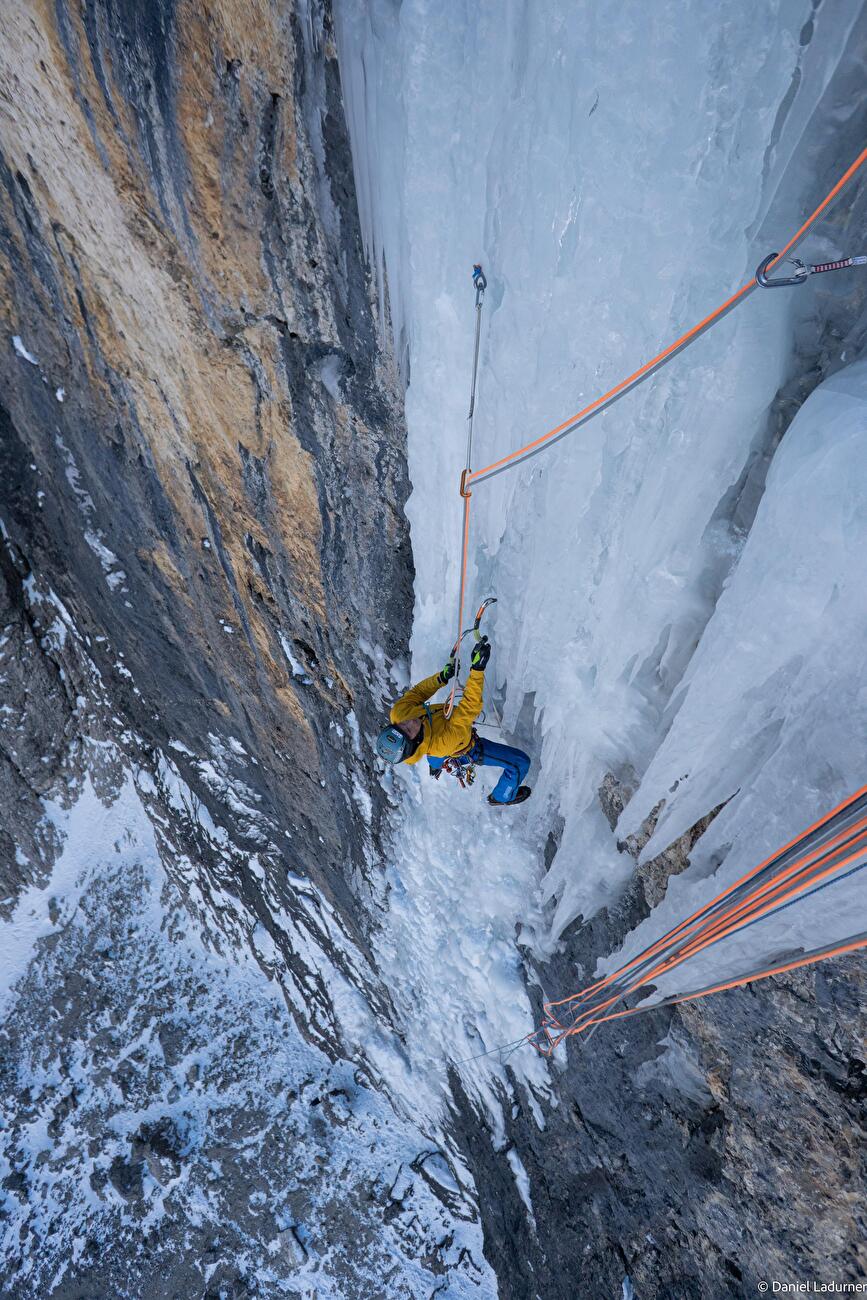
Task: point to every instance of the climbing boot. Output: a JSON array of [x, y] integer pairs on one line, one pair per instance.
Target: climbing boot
[[523, 792]]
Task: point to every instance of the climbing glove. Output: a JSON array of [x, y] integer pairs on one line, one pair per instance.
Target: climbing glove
[[481, 654], [448, 672]]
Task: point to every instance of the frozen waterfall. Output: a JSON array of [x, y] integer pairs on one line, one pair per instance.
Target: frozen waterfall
[[663, 610]]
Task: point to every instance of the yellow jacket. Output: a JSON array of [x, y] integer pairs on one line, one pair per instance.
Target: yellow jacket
[[441, 737]]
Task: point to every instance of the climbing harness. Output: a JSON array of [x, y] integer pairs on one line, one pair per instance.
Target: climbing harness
[[480, 284], [461, 765], [803, 270], [776, 883]]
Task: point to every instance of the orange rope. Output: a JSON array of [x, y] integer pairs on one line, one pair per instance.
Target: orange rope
[[450, 702], [790, 882], [595, 406], [770, 893], [809, 959], [704, 941], [679, 930], [750, 909]]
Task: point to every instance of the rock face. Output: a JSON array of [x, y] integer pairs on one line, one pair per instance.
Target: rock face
[[205, 576], [204, 456]]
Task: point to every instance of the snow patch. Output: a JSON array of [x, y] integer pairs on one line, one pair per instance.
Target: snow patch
[[22, 351], [522, 1182], [297, 670], [42, 911]]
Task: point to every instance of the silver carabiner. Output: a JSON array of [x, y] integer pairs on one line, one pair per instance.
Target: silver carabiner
[[782, 282]]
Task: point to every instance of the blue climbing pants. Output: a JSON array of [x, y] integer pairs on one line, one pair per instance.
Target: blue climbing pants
[[487, 753]]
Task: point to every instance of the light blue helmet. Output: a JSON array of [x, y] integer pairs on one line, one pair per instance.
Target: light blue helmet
[[392, 745]]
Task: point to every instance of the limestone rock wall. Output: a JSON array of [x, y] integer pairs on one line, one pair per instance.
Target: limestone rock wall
[[202, 440], [205, 580]]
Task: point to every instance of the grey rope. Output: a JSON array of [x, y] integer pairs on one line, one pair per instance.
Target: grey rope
[[481, 285]]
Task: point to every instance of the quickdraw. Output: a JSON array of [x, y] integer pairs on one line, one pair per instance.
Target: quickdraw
[[803, 270]]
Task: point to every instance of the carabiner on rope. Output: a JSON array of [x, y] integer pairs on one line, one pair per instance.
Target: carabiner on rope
[[800, 276], [803, 270], [479, 280]]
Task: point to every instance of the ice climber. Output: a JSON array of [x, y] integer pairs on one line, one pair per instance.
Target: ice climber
[[419, 730]]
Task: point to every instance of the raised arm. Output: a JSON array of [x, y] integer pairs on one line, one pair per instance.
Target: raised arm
[[409, 703], [466, 712]]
